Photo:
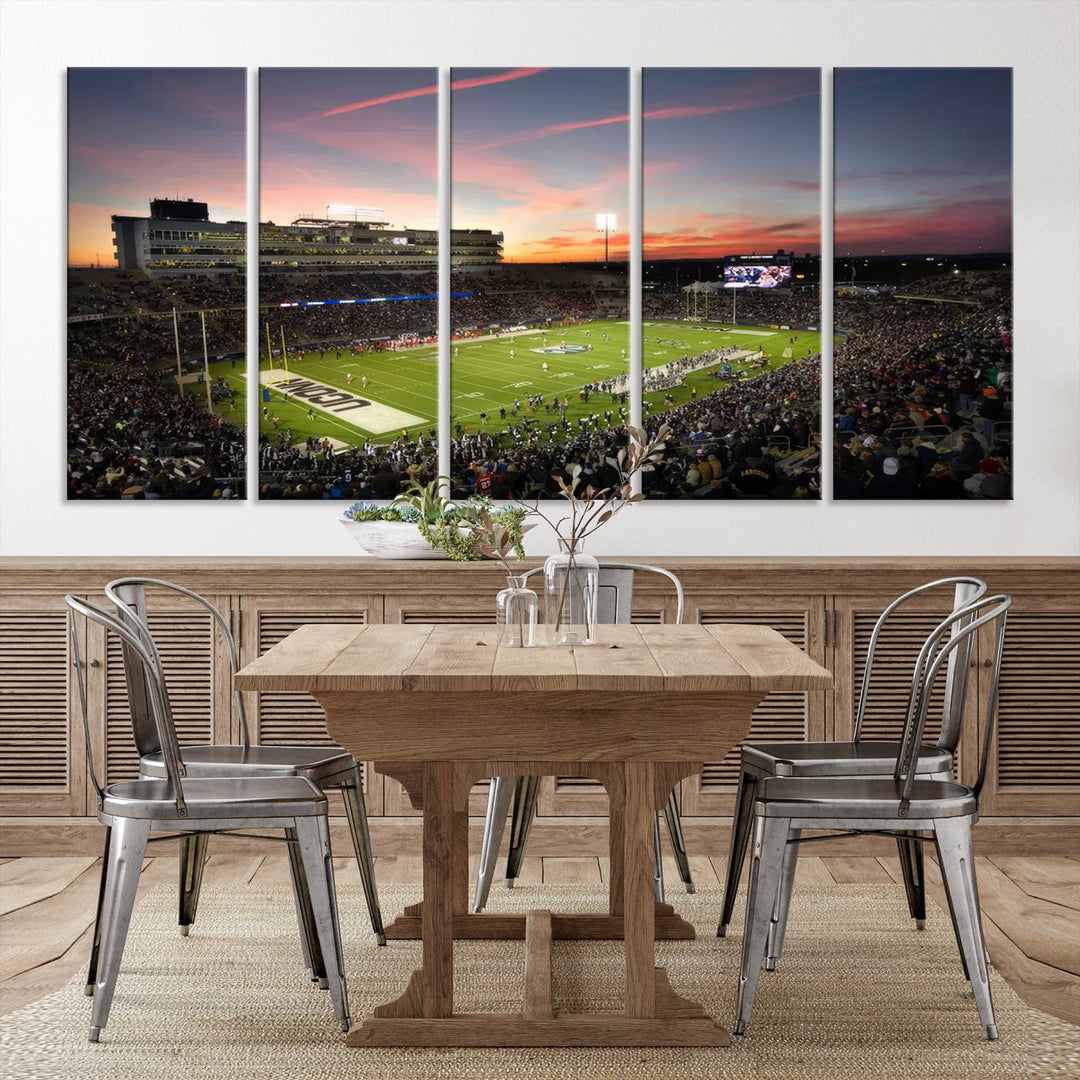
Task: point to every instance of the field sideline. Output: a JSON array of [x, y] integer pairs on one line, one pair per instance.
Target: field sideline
[[486, 377]]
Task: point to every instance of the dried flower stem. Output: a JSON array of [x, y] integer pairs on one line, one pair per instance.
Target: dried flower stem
[[592, 508]]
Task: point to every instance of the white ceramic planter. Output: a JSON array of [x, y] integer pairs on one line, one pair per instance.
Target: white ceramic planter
[[391, 540], [397, 539]]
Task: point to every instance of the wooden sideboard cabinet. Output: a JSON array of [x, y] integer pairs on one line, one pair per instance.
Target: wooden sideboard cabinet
[[826, 606]]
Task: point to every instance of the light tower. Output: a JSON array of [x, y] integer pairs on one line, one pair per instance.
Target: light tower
[[605, 223]]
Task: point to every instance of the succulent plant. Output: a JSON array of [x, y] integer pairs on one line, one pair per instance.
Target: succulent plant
[[465, 532]]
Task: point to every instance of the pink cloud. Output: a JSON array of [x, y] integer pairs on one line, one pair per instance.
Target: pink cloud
[[491, 80], [519, 182], [414, 148], [753, 98], [550, 129], [499, 192], [760, 96], [422, 91], [672, 235], [957, 225], [571, 246]]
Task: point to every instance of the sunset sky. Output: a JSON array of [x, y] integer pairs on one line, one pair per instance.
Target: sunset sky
[[139, 133], [731, 161], [350, 136], [923, 156], [537, 154], [923, 160]]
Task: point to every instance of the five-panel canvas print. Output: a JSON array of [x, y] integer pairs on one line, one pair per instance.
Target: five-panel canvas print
[[734, 300]]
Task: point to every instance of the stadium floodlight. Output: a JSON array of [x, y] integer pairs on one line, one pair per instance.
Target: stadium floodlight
[[341, 212], [605, 223]]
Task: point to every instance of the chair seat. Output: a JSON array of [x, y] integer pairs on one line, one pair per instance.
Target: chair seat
[[846, 797], [863, 758], [224, 759], [222, 797]]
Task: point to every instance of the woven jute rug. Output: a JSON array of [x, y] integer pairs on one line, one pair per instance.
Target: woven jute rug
[[860, 993]]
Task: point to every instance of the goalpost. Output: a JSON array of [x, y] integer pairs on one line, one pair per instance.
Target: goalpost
[[276, 374]]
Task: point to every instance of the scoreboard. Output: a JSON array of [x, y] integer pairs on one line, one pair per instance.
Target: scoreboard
[[757, 272]]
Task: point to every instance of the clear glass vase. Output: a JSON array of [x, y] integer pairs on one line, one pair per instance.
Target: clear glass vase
[[516, 608], [571, 584]]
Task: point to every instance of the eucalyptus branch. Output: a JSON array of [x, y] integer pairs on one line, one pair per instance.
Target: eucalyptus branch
[[493, 537], [590, 508]]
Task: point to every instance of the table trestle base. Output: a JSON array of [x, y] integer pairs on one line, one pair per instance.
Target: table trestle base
[[566, 1029], [677, 1022], [564, 927]]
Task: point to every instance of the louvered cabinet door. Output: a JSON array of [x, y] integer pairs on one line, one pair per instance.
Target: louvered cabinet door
[[196, 667], [431, 610], [1034, 766], [284, 718], [895, 654], [786, 716], [436, 611], [42, 757]]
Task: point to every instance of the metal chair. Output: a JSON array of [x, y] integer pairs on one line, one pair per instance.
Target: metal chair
[[865, 758], [179, 805], [614, 600], [900, 805], [327, 767]]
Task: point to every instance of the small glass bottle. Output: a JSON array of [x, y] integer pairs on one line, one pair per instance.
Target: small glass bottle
[[516, 608]]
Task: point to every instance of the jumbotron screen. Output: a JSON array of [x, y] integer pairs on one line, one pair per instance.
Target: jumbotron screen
[[767, 274]]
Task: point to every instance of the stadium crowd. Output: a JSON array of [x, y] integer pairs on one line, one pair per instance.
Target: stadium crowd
[[124, 292], [755, 438], [131, 436], [770, 308], [137, 316], [151, 338], [499, 298], [922, 388], [923, 393]]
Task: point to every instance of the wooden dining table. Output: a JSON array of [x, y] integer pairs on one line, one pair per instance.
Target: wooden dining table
[[441, 707]]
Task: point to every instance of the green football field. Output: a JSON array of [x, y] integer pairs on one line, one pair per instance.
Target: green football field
[[486, 377]]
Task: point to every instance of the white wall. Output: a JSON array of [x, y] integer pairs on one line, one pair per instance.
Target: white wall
[[1039, 38]]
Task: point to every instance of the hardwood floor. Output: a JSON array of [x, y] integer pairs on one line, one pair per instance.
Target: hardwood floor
[[1031, 910]]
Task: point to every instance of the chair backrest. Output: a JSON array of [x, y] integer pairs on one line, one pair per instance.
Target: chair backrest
[[149, 680], [129, 597], [615, 594], [143, 724], [952, 635], [966, 590]]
